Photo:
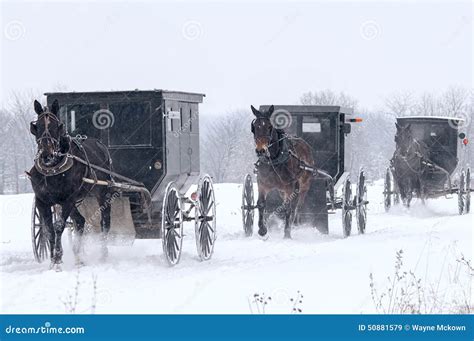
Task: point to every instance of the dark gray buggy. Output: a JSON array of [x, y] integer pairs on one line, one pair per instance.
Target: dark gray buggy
[[427, 160], [153, 140], [325, 129]]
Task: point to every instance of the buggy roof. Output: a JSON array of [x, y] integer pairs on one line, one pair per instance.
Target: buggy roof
[[430, 118], [166, 94], [311, 109]]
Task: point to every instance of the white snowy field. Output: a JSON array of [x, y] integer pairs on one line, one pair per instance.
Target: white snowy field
[[330, 271]]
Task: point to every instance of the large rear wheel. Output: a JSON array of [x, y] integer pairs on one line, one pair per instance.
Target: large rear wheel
[[205, 219], [172, 225], [361, 202], [346, 208], [467, 209], [39, 235], [462, 194], [387, 190], [248, 203]]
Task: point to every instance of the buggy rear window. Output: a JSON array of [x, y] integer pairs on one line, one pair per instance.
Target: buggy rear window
[[434, 134], [319, 132], [311, 127]]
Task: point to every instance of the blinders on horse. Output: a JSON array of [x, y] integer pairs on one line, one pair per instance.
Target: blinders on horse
[[47, 135]]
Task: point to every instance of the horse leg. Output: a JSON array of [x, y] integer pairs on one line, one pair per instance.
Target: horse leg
[[105, 202], [79, 231], [422, 192], [59, 226], [262, 195]]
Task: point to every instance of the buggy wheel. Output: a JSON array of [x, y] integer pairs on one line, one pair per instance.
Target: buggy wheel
[[462, 196], [387, 191], [346, 208], [172, 225], [361, 202], [467, 208], [205, 219], [248, 203], [39, 235]]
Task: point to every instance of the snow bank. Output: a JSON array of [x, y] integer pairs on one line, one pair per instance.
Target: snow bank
[[331, 272]]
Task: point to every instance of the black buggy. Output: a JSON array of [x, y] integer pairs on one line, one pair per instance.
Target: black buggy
[[426, 162], [325, 129], [153, 141]]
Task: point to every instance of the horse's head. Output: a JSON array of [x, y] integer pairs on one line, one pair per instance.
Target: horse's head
[[262, 129], [403, 138], [49, 132]]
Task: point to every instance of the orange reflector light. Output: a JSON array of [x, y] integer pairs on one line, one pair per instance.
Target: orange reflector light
[[194, 196], [355, 120], [465, 141]]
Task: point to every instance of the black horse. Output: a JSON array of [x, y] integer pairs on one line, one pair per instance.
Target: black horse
[[61, 164], [281, 159], [408, 164]]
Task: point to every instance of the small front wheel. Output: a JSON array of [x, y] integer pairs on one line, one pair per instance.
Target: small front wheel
[[247, 207], [346, 208], [361, 202]]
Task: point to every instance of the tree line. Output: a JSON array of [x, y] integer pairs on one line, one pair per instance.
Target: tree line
[[227, 147]]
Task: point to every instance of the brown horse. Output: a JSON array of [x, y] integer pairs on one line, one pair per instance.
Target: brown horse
[[281, 159]]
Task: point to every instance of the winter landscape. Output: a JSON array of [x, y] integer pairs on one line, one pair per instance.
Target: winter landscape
[[375, 63]]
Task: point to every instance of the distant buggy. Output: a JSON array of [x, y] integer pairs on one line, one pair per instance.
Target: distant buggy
[[325, 129], [427, 155]]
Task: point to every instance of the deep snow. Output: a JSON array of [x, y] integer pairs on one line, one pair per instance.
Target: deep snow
[[331, 272]]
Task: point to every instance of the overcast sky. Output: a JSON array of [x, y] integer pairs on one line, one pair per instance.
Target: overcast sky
[[238, 53]]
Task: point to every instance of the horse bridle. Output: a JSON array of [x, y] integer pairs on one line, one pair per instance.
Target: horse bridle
[[46, 135]]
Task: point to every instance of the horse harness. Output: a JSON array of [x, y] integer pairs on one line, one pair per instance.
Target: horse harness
[[286, 151]]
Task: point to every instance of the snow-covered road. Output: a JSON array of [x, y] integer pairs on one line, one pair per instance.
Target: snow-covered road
[[331, 272]]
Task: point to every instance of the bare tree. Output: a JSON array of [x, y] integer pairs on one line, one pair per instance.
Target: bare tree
[[17, 145], [328, 97], [400, 103], [227, 146], [427, 105], [454, 101]]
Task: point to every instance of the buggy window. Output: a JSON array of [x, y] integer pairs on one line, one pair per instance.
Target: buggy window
[[79, 118], [320, 133], [131, 124], [434, 135]]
